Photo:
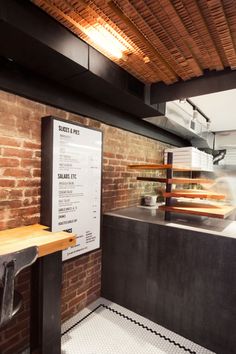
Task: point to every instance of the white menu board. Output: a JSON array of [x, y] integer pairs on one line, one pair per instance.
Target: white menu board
[[76, 185]]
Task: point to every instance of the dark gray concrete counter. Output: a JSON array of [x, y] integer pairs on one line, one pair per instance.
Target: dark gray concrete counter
[[180, 274], [213, 226]]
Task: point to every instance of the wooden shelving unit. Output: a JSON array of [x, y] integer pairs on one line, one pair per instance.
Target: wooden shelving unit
[[189, 207]]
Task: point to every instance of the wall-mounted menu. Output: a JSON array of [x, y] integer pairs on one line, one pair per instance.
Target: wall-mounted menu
[[72, 157]]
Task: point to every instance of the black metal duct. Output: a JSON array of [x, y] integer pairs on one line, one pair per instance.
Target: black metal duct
[[220, 155]]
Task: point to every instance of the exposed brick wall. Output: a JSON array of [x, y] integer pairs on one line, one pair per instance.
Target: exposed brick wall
[[20, 144]]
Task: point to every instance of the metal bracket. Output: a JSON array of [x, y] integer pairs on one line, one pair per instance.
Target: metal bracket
[[169, 175], [10, 265]]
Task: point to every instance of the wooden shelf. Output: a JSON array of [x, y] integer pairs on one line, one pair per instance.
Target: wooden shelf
[[193, 193], [152, 179], [150, 167], [190, 181], [220, 212], [35, 235], [177, 180], [162, 167]]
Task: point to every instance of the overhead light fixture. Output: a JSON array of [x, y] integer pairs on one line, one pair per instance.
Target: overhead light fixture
[[104, 39]]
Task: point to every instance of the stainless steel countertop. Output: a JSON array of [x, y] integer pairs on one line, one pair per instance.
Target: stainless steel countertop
[[219, 227]]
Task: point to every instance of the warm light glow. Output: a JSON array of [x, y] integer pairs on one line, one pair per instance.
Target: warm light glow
[[146, 59], [105, 40]]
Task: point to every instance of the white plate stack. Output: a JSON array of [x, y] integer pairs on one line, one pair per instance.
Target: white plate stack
[[190, 157]]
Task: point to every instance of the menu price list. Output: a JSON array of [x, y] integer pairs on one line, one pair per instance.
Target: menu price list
[[77, 156]]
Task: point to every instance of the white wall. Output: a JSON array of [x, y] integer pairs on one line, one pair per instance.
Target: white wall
[[220, 107]]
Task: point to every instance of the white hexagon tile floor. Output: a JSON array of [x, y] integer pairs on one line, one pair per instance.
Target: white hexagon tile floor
[[107, 328]]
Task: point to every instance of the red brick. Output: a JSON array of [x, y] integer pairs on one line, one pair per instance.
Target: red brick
[[37, 154], [107, 180], [76, 300], [8, 97], [109, 154], [10, 224], [30, 163], [7, 162], [68, 296], [52, 111], [24, 211], [108, 168], [30, 201], [31, 145], [36, 173], [16, 348], [17, 172], [92, 297], [30, 220], [120, 157], [94, 124], [28, 183], [11, 341], [114, 162], [68, 314], [13, 193], [3, 194], [6, 141], [17, 152], [7, 120], [15, 203], [7, 183], [32, 192]]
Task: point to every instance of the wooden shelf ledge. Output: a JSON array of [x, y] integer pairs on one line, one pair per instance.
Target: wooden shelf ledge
[[177, 180], [150, 167], [211, 211], [163, 167], [189, 193], [35, 235]]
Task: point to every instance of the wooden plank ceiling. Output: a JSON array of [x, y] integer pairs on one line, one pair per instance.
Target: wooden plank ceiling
[[162, 40]]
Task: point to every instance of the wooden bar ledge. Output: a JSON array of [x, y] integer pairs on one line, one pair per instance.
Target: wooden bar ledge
[[16, 239]]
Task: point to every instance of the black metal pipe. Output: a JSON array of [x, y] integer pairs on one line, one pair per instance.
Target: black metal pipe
[[198, 110]]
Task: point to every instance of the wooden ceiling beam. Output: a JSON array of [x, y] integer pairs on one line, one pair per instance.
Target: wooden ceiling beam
[[142, 38], [230, 14], [135, 59], [201, 52], [201, 26], [183, 34], [173, 55], [217, 11], [213, 30], [62, 14]]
